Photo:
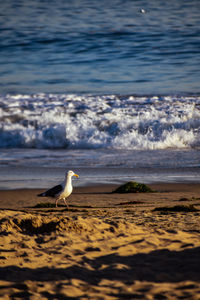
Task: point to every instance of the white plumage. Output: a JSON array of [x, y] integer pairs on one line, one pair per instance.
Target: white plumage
[[61, 191]]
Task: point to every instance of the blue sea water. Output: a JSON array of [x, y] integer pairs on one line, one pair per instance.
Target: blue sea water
[[91, 46], [110, 89]]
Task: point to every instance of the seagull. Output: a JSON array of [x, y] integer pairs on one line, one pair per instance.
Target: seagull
[[61, 191], [143, 11]]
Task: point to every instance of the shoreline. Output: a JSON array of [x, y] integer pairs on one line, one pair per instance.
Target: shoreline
[[35, 168]]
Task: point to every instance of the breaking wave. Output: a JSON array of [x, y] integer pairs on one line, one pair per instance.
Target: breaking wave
[[48, 121]]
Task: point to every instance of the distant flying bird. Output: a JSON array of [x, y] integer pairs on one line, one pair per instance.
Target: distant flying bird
[[143, 11], [61, 191]]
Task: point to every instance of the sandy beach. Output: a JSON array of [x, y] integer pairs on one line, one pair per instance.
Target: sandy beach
[[106, 246], [109, 90]]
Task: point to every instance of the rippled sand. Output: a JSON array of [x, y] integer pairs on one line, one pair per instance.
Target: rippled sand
[[107, 246]]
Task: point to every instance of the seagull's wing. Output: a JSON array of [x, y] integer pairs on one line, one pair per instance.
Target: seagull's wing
[[52, 192]]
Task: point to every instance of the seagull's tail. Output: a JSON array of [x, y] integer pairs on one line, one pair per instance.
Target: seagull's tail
[[42, 195]]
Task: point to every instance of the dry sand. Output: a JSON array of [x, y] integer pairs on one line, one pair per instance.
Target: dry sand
[[107, 246]]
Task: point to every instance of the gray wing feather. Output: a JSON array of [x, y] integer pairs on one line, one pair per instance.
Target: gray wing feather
[[52, 192]]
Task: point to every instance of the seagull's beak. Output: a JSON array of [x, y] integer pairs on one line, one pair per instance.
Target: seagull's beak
[[76, 175]]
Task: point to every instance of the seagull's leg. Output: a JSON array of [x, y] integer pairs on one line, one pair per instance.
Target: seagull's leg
[[57, 202], [66, 203]]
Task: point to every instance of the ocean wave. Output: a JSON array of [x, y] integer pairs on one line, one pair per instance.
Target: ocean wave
[[51, 121]]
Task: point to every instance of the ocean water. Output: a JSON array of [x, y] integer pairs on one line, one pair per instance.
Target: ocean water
[[50, 121], [101, 87], [91, 46]]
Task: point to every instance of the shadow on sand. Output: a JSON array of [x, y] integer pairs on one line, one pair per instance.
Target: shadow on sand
[[157, 266]]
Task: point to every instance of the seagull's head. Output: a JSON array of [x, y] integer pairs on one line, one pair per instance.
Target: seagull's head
[[71, 173]]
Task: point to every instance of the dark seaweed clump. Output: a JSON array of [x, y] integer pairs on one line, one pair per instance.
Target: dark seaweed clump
[[45, 205], [53, 205], [129, 203], [133, 187], [177, 208]]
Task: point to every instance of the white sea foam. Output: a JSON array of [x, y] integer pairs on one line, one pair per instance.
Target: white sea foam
[[86, 121]]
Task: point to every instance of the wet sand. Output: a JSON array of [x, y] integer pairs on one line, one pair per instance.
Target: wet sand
[[106, 246]]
